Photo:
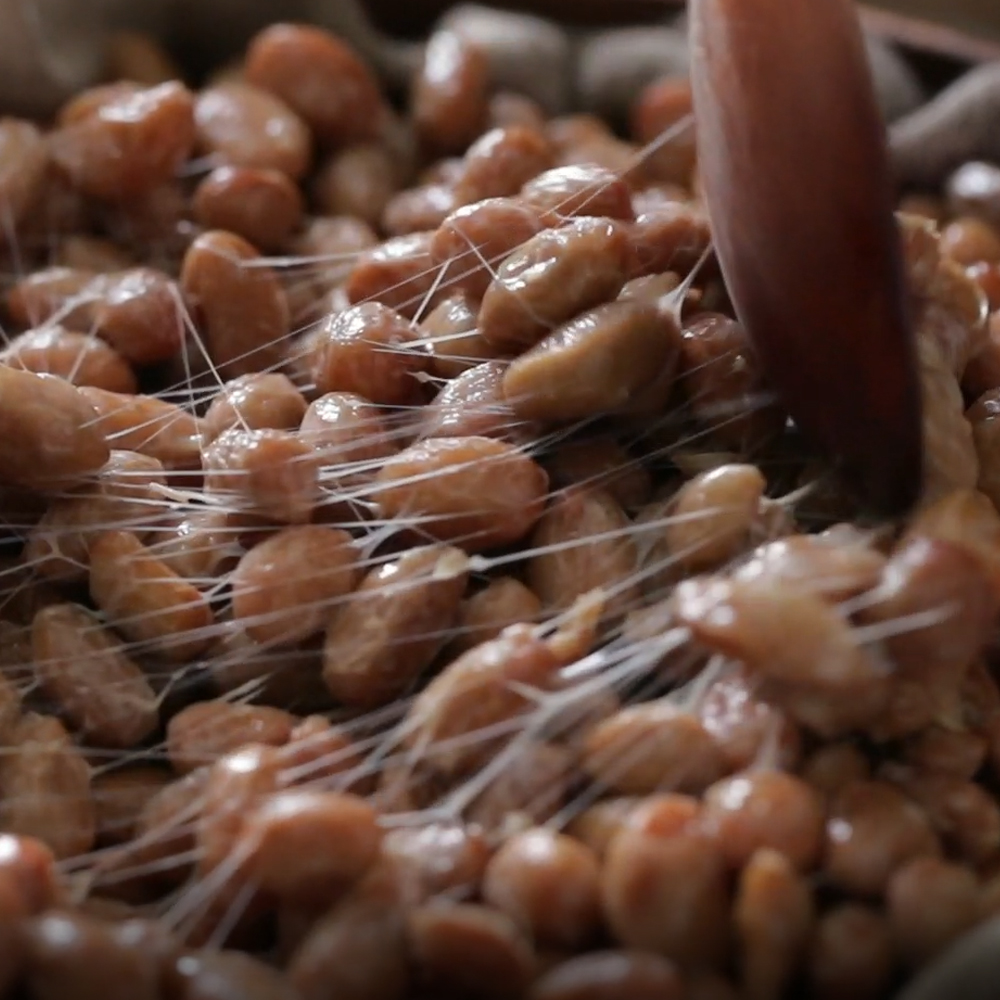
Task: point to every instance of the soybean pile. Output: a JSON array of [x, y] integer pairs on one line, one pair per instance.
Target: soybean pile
[[410, 587]]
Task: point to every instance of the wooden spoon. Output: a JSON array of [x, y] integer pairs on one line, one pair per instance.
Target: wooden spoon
[[795, 170]]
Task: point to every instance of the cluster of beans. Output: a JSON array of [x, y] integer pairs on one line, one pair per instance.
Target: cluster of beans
[[411, 589]]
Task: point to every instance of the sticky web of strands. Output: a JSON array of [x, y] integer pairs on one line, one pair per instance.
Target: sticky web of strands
[[624, 663], [620, 666]]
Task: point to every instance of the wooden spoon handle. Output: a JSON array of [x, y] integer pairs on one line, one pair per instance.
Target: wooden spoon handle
[[793, 159]]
